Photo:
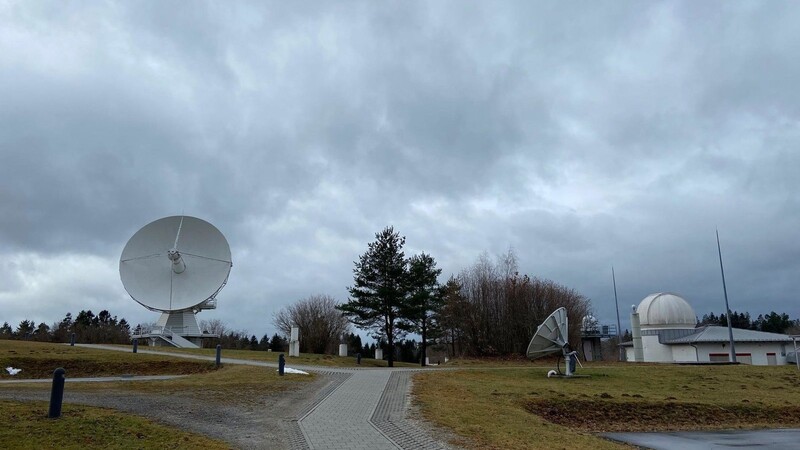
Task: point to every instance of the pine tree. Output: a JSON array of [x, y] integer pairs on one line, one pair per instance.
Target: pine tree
[[278, 343], [25, 329], [263, 344], [5, 331], [380, 288], [425, 299]]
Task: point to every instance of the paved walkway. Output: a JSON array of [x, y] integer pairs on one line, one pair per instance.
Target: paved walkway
[[362, 408], [342, 420]]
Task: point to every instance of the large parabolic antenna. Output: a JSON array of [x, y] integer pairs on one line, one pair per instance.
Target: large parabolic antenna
[[176, 265], [551, 337]]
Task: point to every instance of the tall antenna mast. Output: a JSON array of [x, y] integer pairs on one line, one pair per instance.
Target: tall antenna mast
[[727, 308], [619, 326]]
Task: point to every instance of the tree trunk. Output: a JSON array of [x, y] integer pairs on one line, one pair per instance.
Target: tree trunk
[[390, 338], [424, 344]]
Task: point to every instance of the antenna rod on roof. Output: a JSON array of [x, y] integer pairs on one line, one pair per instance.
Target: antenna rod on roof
[[727, 308], [619, 326]]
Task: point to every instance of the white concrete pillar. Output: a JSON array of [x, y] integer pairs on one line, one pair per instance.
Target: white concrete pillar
[[294, 342], [342, 349], [636, 331], [378, 353]]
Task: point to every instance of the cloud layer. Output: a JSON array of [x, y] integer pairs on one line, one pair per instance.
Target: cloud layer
[[582, 137]]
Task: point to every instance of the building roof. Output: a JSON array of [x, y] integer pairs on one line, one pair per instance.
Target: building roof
[[665, 310], [712, 333]]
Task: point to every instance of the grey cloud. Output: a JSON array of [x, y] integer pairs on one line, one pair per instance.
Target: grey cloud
[[580, 136]]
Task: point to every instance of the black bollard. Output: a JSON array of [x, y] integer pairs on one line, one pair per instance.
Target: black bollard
[[135, 345], [281, 364], [72, 340], [57, 393], [219, 353], [358, 358]]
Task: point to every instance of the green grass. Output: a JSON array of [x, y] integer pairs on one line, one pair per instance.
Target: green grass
[[522, 408], [26, 426]]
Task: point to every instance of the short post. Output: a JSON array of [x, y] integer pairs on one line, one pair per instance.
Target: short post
[[135, 345], [72, 340], [57, 393], [358, 358], [281, 364], [219, 354]]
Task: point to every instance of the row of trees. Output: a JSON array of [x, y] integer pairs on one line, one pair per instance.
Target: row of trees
[[87, 327], [771, 323], [488, 309]]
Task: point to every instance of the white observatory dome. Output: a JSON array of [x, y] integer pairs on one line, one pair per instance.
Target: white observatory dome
[[666, 310]]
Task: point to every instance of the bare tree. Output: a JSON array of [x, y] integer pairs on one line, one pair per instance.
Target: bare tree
[[321, 324], [491, 309], [213, 326]]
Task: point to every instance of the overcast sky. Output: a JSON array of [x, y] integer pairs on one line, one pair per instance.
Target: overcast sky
[[580, 135]]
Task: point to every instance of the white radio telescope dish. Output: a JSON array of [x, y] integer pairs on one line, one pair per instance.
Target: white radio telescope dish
[[176, 265], [551, 337]]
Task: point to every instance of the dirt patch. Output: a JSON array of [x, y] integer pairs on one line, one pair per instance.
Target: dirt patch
[[599, 416]]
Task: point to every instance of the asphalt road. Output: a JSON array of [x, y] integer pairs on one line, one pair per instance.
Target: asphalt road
[[785, 439]]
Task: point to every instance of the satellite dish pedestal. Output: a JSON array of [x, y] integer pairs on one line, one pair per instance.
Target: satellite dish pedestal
[[176, 265]]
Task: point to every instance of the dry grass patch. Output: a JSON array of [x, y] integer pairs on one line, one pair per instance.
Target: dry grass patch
[[39, 360], [229, 384], [26, 426], [522, 408]]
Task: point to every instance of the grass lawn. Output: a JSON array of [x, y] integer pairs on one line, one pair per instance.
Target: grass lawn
[[230, 383], [39, 360], [26, 426], [521, 408]]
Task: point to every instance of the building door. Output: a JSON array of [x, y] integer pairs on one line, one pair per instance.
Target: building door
[[772, 360], [719, 357], [741, 358]]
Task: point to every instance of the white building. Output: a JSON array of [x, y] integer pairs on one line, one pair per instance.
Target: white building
[[668, 334]]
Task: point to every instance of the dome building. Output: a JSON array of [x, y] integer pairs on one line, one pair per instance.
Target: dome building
[[664, 328]]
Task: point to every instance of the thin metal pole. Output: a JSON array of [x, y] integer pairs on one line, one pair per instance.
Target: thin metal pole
[[619, 326], [727, 308]]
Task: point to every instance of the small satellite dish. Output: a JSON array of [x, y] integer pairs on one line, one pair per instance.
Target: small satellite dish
[[176, 265], [551, 337]]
